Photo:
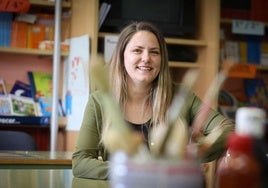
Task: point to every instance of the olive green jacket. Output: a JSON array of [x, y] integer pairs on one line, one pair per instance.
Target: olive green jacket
[[90, 159]]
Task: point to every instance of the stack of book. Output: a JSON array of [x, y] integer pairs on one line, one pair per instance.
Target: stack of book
[[28, 103], [251, 52], [25, 30]]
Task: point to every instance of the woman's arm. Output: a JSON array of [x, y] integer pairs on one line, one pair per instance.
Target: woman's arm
[[85, 159], [213, 119]]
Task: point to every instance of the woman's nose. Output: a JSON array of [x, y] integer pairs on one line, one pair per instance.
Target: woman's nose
[[145, 56]]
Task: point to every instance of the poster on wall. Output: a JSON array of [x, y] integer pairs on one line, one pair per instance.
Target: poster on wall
[[76, 83]]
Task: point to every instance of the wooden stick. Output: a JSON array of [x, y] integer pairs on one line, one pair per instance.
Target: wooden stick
[[199, 122], [170, 140]]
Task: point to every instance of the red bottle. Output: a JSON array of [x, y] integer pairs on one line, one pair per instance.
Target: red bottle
[[239, 167]]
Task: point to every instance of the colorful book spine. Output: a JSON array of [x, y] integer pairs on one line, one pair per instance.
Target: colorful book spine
[[253, 52], [232, 51], [5, 28], [256, 91], [41, 84], [19, 34], [45, 105], [243, 52], [264, 53], [36, 34]]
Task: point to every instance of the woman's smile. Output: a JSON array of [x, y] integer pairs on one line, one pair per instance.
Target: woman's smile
[[142, 57], [144, 68]]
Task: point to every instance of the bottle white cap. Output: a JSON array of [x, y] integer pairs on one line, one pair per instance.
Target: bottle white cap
[[250, 121]]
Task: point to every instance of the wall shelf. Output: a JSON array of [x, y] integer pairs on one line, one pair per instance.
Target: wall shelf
[[229, 21], [175, 64], [49, 3], [29, 51]]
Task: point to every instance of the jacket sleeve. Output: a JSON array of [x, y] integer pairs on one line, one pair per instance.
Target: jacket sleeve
[[85, 159], [213, 119]]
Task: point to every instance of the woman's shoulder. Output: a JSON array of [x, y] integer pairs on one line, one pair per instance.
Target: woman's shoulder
[[182, 89], [96, 93], [96, 96], [177, 86]]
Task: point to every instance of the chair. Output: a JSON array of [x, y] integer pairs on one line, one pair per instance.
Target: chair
[[16, 140]]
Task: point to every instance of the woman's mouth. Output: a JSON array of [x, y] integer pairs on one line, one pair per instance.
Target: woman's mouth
[[143, 68]]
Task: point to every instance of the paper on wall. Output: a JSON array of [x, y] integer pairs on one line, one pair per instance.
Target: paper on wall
[[109, 46], [76, 88]]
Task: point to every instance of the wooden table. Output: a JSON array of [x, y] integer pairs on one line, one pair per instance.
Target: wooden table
[[35, 160], [46, 178], [88, 183], [42, 169], [36, 178]]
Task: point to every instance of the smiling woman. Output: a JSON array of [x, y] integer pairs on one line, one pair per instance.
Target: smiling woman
[[133, 100]]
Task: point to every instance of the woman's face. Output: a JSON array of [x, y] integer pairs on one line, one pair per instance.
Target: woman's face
[[142, 57]]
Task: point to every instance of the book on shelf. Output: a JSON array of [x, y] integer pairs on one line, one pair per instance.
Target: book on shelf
[[23, 106], [253, 52], [5, 105], [17, 105], [41, 87], [19, 34], [21, 89], [20, 110], [24, 120], [264, 53], [45, 105], [250, 52], [256, 92], [41, 84], [3, 90], [243, 51], [36, 34], [231, 51], [5, 28]]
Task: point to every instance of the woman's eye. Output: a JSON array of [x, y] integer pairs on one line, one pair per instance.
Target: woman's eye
[[137, 51], [155, 52]]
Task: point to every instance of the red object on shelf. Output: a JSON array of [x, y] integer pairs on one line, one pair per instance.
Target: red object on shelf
[[14, 5], [235, 14]]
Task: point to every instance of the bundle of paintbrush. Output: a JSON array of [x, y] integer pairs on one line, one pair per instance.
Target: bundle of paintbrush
[[177, 140]]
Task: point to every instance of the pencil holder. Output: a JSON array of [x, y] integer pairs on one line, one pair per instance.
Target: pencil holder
[[128, 172]]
